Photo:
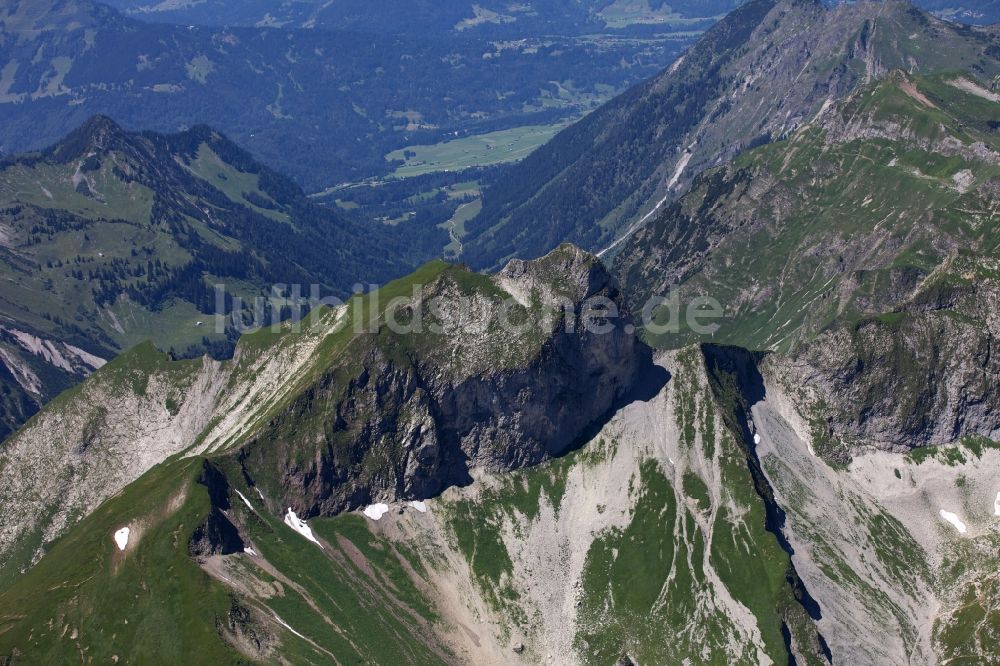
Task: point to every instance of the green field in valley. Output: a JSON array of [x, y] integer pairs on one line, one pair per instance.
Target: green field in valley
[[479, 150]]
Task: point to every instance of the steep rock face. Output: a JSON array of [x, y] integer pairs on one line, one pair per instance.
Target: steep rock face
[[346, 409], [33, 370], [645, 545], [697, 524], [94, 439], [924, 376], [418, 412], [904, 542], [216, 535]]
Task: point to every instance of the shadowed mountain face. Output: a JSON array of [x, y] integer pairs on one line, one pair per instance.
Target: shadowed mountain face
[[681, 526], [111, 238], [350, 408], [757, 75]]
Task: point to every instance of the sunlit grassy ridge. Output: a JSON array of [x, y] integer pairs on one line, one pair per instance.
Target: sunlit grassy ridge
[[825, 227]]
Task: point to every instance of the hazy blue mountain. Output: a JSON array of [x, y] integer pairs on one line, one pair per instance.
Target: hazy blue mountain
[[764, 70], [323, 106], [565, 17], [492, 17]]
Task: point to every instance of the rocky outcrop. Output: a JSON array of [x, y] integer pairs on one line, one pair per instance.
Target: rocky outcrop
[[418, 412], [924, 376], [216, 535], [331, 416]]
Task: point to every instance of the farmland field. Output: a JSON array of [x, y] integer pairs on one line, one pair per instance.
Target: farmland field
[[480, 150]]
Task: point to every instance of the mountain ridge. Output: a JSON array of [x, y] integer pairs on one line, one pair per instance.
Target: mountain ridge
[[500, 468], [113, 237], [362, 414], [809, 250], [755, 76], [675, 470]]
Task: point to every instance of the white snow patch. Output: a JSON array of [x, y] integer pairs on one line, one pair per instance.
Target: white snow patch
[[300, 526], [422, 506], [996, 505], [245, 500], [376, 511], [756, 438], [249, 551], [954, 520], [121, 538], [259, 493]]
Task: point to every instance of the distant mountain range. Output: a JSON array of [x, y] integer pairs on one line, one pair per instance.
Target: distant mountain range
[[763, 71], [494, 18], [324, 106], [564, 17], [111, 238], [981, 12]]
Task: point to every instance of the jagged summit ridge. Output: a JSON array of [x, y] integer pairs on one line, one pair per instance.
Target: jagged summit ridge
[[329, 418]]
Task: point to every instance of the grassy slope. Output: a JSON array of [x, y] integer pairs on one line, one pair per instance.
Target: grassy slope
[[154, 604], [172, 605], [90, 598], [363, 597], [112, 229], [645, 588], [882, 204]]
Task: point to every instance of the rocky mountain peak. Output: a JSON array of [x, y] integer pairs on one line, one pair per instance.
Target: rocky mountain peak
[[100, 134], [363, 405], [568, 273]]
